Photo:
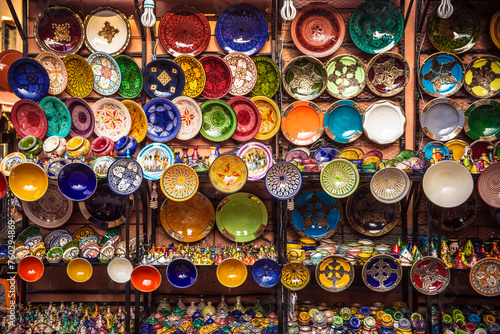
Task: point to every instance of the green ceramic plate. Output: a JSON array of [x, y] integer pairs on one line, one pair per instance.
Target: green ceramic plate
[[339, 178], [304, 78], [58, 116], [482, 120], [241, 217], [268, 77], [131, 84], [219, 120], [346, 77]]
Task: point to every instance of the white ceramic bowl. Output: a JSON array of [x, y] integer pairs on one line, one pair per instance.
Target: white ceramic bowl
[[120, 270], [384, 122]]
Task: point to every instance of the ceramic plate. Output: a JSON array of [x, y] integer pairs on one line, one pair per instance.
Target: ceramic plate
[[316, 215], [179, 182], [268, 77], [154, 159], [107, 76], [283, 180], [266, 273], [334, 273], [80, 76], [384, 122], [101, 165], [55, 69], [183, 30], [458, 148], [219, 77], [482, 77], [124, 176], [60, 30], [219, 120], [249, 118], [58, 116], [270, 117], [435, 145], [28, 119], [191, 117], [258, 158], [318, 30], [495, 29], [82, 117], [61, 239], [295, 276], [28, 79], [228, 173], [382, 273], [48, 237], [139, 126], [488, 187], [52, 168], [430, 275], [7, 57], [390, 185], [302, 123], [376, 26], [188, 221], [112, 119], [107, 30], [482, 120], [164, 119], [241, 217], [346, 77], [387, 74], [241, 28], [343, 121], [243, 72], [131, 77], [441, 74], [339, 178], [305, 78], [442, 119], [163, 78], [194, 73], [484, 277], [326, 154]]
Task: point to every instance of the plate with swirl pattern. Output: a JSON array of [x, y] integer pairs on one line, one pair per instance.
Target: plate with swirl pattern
[[339, 178], [283, 180], [179, 182]]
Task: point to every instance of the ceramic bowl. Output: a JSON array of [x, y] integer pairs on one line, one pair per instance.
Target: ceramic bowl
[[120, 270], [28, 182], [232, 273], [181, 273], [78, 147], [266, 273], [146, 278], [295, 276], [125, 145], [30, 269], [79, 270], [390, 185], [55, 147], [77, 181], [102, 146]]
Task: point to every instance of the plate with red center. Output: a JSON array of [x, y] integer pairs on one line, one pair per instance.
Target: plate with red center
[[248, 116]]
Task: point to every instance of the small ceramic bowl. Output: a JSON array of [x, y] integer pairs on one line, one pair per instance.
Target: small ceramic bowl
[[55, 147], [54, 259], [78, 147], [30, 146], [102, 146], [232, 273], [30, 269], [79, 270], [120, 270], [28, 182], [146, 278], [181, 273], [125, 145]]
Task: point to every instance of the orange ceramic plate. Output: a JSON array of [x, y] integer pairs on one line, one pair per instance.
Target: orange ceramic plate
[[302, 123], [146, 278]]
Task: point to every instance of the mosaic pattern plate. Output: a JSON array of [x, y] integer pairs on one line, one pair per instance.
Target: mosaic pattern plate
[[339, 178], [219, 77], [283, 180], [482, 120], [270, 117], [243, 71], [343, 121], [295, 276], [101, 165], [384, 122], [305, 78], [266, 273], [441, 74], [302, 123], [107, 75], [164, 119], [430, 275], [28, 119], [482, 77], [228, 173], [488, 187], [82, 117], [163, 78], [28, 79], [387, 74], [55, 69], [191, 117], [382, 273], [194, 73], [139, 126], [346, 77], [334, 273], [154, 159], [258, 158], [124, 176], [484, 277], [179, 182], [390, 185], [131, 82], [80, 76], [112, 119], [58, 116], [249, 118], [268, 77], [442, 119], [219, 120]]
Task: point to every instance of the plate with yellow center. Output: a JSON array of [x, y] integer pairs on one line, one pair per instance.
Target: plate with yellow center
[[179, 182], [334, 273], [194, 73]]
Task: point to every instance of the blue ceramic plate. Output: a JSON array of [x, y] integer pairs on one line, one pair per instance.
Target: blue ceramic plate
[[241, 28], [28, 79], [181, 273], [164, 119], [326, 154], [283, 180], [124, 176], [58, 116], [154, 159], [343, 121], [266, 273], [432, 145], [441, 74], [382, 273], [77, 181], [163, 78], [60, 240]]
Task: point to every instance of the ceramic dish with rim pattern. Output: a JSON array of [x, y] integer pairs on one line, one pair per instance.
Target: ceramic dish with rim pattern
[[219, 77], [482, 120], [219, 120], [345, 76], [495, 29], [28, 79], [107, 75], [101, 165], [179, 182], [164, 119], [28, 119], [249, 118], [334, 273], [339, 178], [163, 78], [191, 117], [488, 187], [295, 276], [82, 117], [154, 159], [441, 74], [55, 69], [107, 29], [58, 116], [258, 158], [305, 78], [343, 121], [243, 72], [194, 74], [382, 273], [482, 77], [302, 123], [283, 180], [124, 176], [390, 185], [270, 117], [484, 277], [384, 122], [268, 77], [80, 76], [139, 126], [131, 82], [228, 173], [430, 275], [112, 119], [387, 74], [442, 119]]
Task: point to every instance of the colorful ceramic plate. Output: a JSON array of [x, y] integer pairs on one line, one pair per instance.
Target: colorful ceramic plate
[[326, 154], [488, 187], [297, 154], [191, 117], [60, 30], [484, 277], [382, 273], [441, 74], [316, 215], [482, 120], [442, 119], [48, 237], [131, 77], [339, 178], [228, 173], [194, 73], [139, 126], [376, 26], [183, 30], [164, 119], [249, 118], [390, 185], [107, 30], [241, 217], [283, 180], [345, 77], [430, 275], [11, 161], [82, 117], [28, 79], [30, 231], [83, 233], [179, 182], [163, 78], [231, 272], [343, 121], [482, 77], [219, 120], [124, 176], [112, 119], [101, 165], [268, 77], [241, 28], [55, 69], [243, 72], [28, 119], [58, 116], [7, 57], [258, 158], [318, 30], [305, 78], [295, 276], [334, 273], [435, 145], [107, 75], [302, 123], [266, 273], [154, 159], [457, 218], [384, 122], [457, 147], [219, 77], [77, 181], [270, 117], [188, 221], [387, 74], [80, 76], [495, 29]]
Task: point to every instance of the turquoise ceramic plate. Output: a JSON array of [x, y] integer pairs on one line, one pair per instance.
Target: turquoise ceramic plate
[[343, 121], [435, 145], [482, 120], [441, 74], [58, 116]]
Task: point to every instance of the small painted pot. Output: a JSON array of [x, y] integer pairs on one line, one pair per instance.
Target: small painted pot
[[30, 146], [102, 146], [55, 147], [78, 147], [125, 144]]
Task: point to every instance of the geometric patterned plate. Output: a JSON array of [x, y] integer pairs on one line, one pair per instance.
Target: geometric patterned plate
[[28, 119], [482, 77], [270, 117], [485, 277], [339, 178], [82, 117], [219, 120], [334, 273], [131, 83], [164, 119], [58, 116], [191, 117], [112, 119], [107, 75], [139, 126], [179, 182], [430, 275], [163, 78], [387, 74], [194, 73], [244, 73], [219, 77], [441, 74], [125, 176], [295, 276], [268, 77], [305, 78], [283, 180], [80, 76], [28, 79], [382, 273], [390, 185], [346, 76], [55, 69]]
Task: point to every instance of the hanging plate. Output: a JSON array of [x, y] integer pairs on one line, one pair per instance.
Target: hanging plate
[[101, 165], [441, 74], [219, 77], [258, 158], [430, 275], [28, 79], [243, 71], [124, 176], [495, 29], [163, 78], [458, 148], [295, 276], [305, 78], [194, 73], [384, 122], [482, 77], [80, 76], [334, 273], [438, 145], [482, 120], [139, 126], [179, 182], [390, 185], [154, 159], [346, 77], [387, 74], [164, 119], [219, 120], [268, 77], [7, 57], [270, 117], [266, 273], [11, 161], [248, 116], [302, 123], [82, 117], [484, 277], [28, 119], [442, 119], [382, 273], [191, 117], [107, 76], [228, 173], [283, 180], [343, 121], [55, 69], [488, 187], [339, 178], [112, 119], [58, 116], [131, 82]]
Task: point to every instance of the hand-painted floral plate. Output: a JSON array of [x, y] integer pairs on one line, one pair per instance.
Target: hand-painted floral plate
[[194, 73], [131, 82], [107, 75], [339, 178], [302, 123], [249, 118], [80, 76], [384, 122], [101, 165], [139, 126], [107, 30], [28, 79], [258, 158], [390, 185], [295, 276], [58, 116], [154, 159], [305, 78], [163, 78], [268, 77], [125, 176], [387, 74], [283, 180], [191, 117], [270, 117], [382, 273], [243, 71], [55, 69], [82, 117], [430, 275], [482, 120], [228, 173], [484, 277], [219, 120], [28, 119], [346, 77], [482, 77], [441, 74], [112, 119], [219, 77], [164, 119], [442, 119], [179, 182], [334, 273], [343, 121]]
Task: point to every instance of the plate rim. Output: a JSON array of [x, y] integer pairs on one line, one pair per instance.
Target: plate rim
[[458, 128]]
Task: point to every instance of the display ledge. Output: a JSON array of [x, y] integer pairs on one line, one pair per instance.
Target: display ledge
[[367, 176]]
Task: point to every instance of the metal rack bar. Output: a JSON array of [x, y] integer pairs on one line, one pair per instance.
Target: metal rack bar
[[20, 28]]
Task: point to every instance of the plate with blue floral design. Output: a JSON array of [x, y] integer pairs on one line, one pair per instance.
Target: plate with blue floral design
[[441, 74], [163, 78], [107, 75], [28, 79], [266, 273], [283, 180], [164, 119], [125, 176]]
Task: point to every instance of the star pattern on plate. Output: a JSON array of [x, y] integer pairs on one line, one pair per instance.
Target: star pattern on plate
[[304, 78], [344, 76], [108, 32], [483, 76], [440, 74], [386, 73]]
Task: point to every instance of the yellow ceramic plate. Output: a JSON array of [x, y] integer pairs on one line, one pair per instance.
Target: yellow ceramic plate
[[11, 161], [334, 273], [482, 77], [80, 76], [295, 276], [195, 75], [351, 153], [79, 270], [232, 273], [458, 148], [139, 127], [270, 115], [179, 182], [228, 173], [28, 181]]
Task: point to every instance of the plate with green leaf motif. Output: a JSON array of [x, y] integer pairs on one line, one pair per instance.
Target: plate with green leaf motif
[[345, 77], [131, 84], [482, 120], [268, 77], [304, 78], [219, 120]]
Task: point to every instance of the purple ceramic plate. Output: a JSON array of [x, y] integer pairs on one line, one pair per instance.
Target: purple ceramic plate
[[258, 158]]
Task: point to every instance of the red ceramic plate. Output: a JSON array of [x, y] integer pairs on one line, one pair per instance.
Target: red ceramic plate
[[29, 119], [387, 74], [430, 275], [302, 123], [146, 278], [318, 30], [219, 77], [248, 116], [7, 57], [184, 31], [3, 185]]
